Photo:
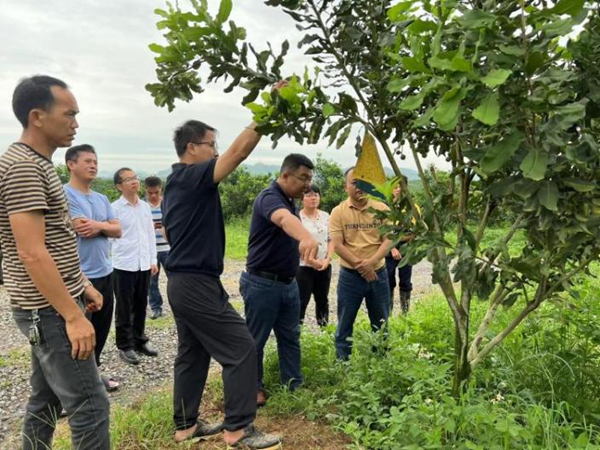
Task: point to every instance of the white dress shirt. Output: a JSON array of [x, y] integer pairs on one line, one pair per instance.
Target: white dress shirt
[[135, 250]]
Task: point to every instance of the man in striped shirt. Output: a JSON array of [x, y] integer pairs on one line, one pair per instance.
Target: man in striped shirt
[[153, 186], [47, 289]]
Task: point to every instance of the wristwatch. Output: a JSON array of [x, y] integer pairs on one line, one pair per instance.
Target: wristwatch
[[87, 284]]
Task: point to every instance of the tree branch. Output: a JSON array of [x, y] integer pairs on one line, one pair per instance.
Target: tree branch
[[495, 302], [540, 296]]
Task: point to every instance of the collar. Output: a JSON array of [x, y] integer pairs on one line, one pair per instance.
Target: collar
[[123, 201], [31, 149], [351, 205], [279, 189]]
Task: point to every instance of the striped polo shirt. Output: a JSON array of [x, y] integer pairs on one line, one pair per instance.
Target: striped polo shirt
[[161, 243], [28, 182]]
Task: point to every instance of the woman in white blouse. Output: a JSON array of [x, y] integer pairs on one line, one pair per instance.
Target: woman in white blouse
[[314, 276]]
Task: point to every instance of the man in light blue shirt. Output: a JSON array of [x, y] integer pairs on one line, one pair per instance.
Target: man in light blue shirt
[[94, 221]]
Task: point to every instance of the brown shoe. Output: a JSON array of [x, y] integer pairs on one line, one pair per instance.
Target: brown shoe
[[261, 398]]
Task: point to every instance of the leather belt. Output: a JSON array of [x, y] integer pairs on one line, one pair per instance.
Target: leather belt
[[271, 276]]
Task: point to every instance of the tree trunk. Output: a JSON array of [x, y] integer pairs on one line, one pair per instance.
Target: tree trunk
[[462, 367]]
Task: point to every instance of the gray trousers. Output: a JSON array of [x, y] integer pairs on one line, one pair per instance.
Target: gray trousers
[[59, 381]]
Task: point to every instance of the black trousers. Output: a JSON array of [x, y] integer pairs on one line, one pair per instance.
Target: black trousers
[[313, 282], [131, 294], [208, 326], [102, 319]]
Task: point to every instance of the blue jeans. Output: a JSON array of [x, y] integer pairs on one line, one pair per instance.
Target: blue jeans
[[272, 305], [155, 299], [58, 381], [351, 290]]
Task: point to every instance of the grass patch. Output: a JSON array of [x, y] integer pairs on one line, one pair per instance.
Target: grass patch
[[236, 244], [148, 424], [161, 323], [16, 357]]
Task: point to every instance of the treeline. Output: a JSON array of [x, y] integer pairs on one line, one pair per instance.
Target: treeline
[[239, 190]]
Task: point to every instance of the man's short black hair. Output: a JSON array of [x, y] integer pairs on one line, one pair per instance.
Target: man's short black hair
[[348, 171], [73, 153], [34, 92], [190, 131], [313, 188], [294, 161], [117, 176], [153, 181]]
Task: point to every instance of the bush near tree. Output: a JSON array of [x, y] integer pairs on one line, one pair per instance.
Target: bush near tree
[[496, 87]]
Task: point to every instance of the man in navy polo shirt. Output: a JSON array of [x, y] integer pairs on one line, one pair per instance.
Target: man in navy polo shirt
[[207, 325], [277, 242]]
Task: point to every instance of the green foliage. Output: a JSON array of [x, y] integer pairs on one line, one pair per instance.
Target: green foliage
[[488, 85], [329, 176], [400, 398], [236, 243], [239, 190]]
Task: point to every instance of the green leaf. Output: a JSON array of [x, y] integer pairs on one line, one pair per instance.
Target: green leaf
[[397, 11], [497, 155], [414, 65], [548, 195], [224, 11], [488, 111], [447, 110], [570, 7], [156, 48], [580, 185], [413, 102], [496, 77], [328, 109], [477, 18], [461, 64], [534, 165], [440, 63], [396, 84], [535, 61]]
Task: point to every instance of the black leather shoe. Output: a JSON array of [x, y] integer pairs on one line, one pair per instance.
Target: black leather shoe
[[147, 350], [129, 357]]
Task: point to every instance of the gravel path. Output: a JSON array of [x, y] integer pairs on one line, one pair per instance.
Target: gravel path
[[134, 380]]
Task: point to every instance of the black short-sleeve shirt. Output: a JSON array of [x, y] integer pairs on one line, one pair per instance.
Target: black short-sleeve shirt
[[193, 220], [269, 248]]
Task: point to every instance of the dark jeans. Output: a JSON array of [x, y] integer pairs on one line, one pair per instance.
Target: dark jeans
[[103, 318], [404, 275], [351, 290], [57, 379], [273, 305], [156, 300], [207, 325], [314, 282], [131, 294]]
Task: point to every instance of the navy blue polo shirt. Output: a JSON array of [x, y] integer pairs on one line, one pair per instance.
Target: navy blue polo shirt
[[269, 248], [193, 220]]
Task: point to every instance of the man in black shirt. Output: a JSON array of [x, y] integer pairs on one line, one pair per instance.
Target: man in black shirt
[[277, 242], [207, 325]]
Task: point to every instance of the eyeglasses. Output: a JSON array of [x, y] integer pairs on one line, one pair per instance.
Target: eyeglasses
[[130, 179], [312, 194], [306, 180], [213, 144]]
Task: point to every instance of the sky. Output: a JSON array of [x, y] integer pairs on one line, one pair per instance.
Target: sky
[[100, 48]]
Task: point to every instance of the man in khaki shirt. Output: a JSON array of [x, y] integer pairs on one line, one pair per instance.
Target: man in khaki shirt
[[356, 238]]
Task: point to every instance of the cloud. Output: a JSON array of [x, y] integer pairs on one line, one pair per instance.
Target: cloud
[[100, 48]]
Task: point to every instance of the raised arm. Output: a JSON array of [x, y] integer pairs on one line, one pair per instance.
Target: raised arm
[[241, 148]]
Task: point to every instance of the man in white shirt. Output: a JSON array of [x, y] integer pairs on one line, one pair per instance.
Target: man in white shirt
[[134, 261]]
